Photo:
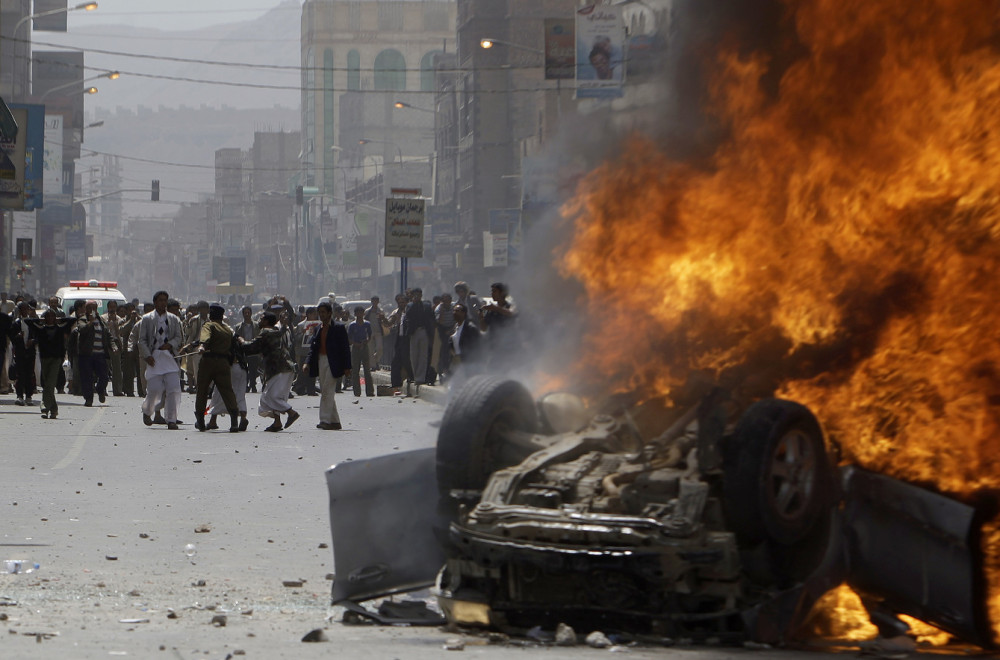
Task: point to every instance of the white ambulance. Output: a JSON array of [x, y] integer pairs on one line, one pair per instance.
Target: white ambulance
[[96, 290]]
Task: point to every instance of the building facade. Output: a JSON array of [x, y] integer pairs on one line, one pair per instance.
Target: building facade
[[367, 116]]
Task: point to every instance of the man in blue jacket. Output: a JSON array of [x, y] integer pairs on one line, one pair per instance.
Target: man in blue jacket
[[330, 359]]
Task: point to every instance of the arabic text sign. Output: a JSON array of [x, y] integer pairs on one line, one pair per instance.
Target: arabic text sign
[[404, 227], [52, 175], [560, 54]]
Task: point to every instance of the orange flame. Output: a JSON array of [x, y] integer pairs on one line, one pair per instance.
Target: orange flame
[[843, 244]]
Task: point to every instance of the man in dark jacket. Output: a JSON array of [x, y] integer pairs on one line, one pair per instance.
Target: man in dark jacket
[[23, 345], [464, 344], [418, 326], [129, 370], [330, 359], [50, 334], [93, 346]]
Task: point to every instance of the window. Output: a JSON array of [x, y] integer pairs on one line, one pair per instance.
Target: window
[[427, 71], [390, 70], [436, 17], [353, 70], [354, 16], [390, 16]]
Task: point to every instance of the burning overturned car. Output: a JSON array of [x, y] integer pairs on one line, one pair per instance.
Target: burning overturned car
[[719, 519]]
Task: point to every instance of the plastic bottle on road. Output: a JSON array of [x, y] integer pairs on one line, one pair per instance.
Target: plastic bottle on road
[[19, 566]]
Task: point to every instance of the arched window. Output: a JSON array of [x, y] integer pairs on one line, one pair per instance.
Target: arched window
[[427, 71], [390, 70], [353, 70]]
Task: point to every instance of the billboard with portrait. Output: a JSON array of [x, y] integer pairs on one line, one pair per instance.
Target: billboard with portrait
[[600, 52]]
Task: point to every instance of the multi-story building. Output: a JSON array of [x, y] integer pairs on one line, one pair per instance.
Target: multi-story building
[[274, 166], [505, 110], [367, 113], [15, 50]]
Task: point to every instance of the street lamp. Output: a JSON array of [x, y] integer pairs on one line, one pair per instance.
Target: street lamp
[[403, 105], [110, 75], [486, 43], [364, 141], [86, 6]]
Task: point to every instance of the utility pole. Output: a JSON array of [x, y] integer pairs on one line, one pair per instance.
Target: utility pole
[[299, 199]]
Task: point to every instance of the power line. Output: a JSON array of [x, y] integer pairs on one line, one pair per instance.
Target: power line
[[273, 67], [162, 58], [297, 87], [186, 12], [240, 168], [150, 37]]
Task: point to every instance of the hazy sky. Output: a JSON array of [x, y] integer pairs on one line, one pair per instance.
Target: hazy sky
[[170, 14]]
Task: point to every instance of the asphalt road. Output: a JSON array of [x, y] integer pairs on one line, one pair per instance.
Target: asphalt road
[[107, 506]]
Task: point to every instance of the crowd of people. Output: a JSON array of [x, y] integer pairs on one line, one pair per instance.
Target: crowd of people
[[157, 350], [425, 341]]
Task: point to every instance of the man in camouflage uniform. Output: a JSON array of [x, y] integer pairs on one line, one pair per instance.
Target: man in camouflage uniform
[[216, 351]]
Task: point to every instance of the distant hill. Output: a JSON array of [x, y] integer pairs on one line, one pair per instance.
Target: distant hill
[[155, 142], [272, 39], [164, 120]]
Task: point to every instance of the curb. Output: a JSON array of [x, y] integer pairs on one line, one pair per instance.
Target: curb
[[436, 394]]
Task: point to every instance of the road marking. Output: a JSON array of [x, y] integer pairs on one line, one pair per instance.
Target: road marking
[[81, 440]]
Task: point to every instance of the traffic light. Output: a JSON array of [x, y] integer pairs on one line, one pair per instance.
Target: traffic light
[[155, 194], [298, 195]]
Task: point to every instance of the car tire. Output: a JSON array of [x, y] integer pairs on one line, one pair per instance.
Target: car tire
[[777, 479], [470, 438]]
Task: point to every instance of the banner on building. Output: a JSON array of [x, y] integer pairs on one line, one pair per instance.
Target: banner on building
[[34, 158], [494, 250], [12, 164], [560, 44], [52, 166], [76, 254], [505, 226], [600, 52], [404, 227]]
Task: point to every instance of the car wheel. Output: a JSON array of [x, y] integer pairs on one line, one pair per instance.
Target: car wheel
[[778, 483], [471, 443]]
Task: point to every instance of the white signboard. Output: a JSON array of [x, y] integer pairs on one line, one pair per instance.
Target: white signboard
[[404, 227], [499, 249], [52, 175]]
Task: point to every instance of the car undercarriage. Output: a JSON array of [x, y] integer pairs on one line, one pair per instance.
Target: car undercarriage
[[718, 520]]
